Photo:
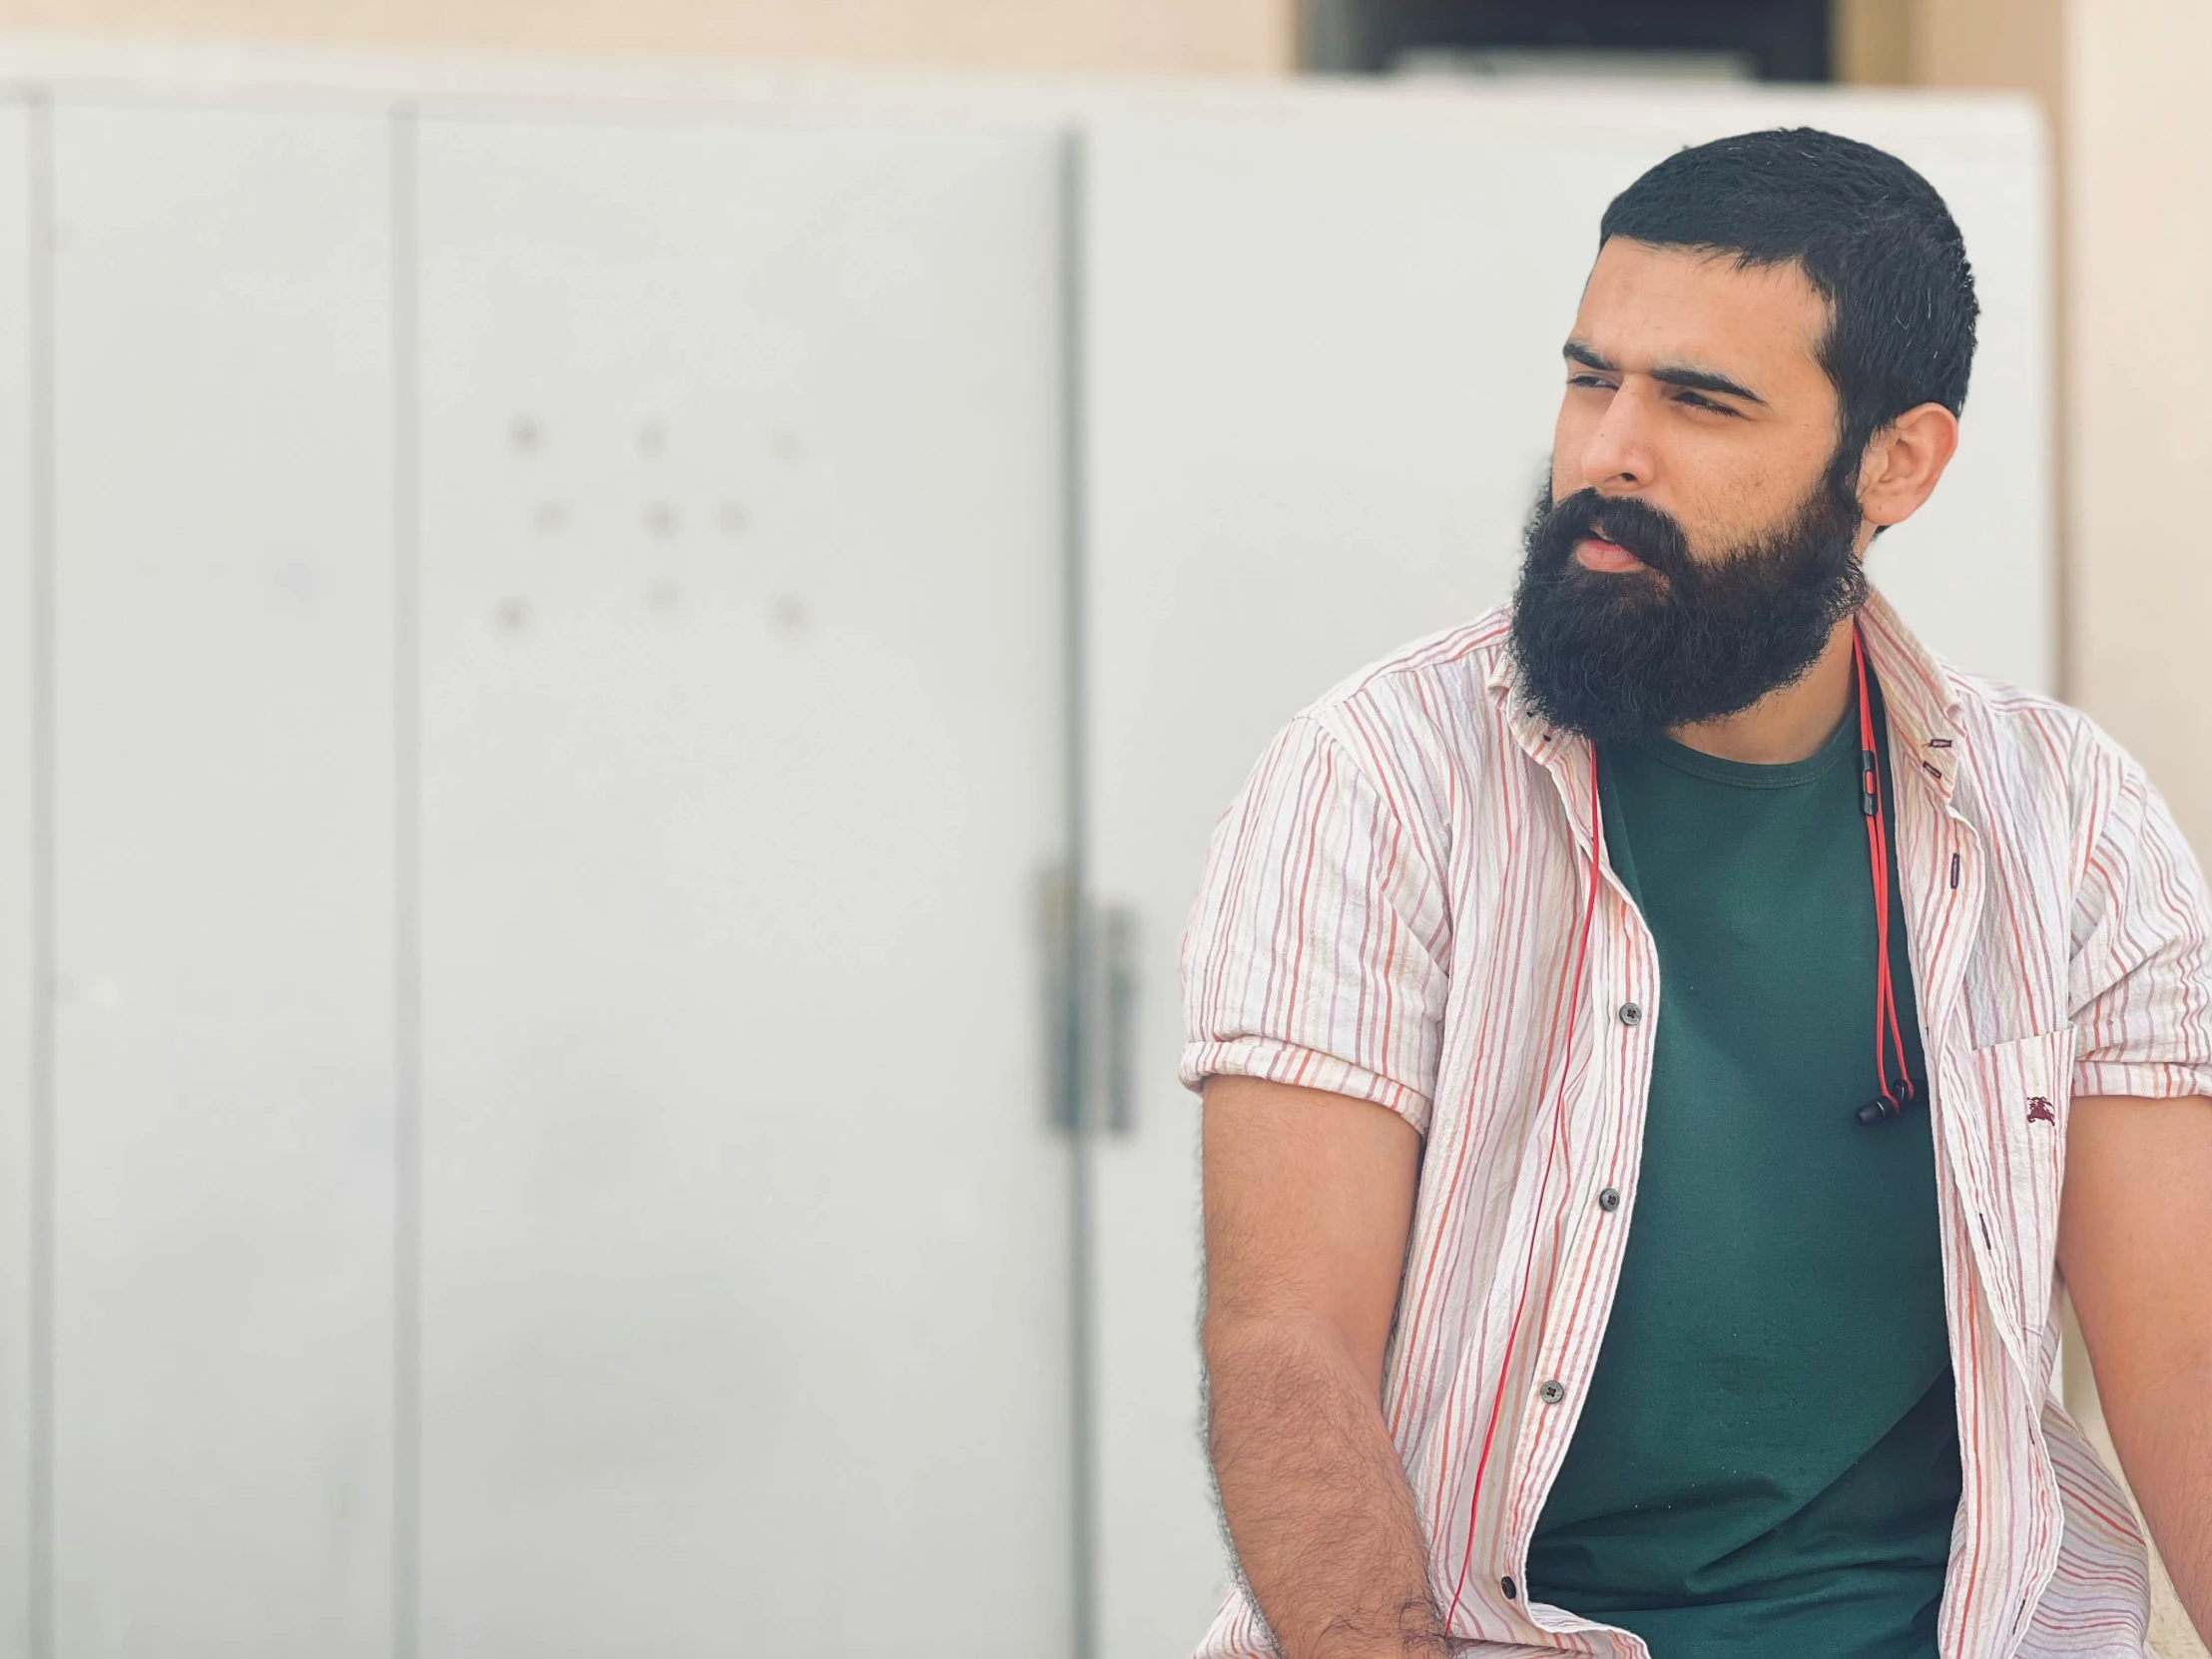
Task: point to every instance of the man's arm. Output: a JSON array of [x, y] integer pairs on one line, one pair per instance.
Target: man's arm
[[2135, 1246], [1309, 1198]]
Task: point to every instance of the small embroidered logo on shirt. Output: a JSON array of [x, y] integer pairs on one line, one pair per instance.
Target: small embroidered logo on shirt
[[2038, 1111]]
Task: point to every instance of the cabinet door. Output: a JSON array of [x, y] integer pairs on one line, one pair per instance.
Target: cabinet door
[[21, 744], [225, 818], [1323, 363], [744, 1241]]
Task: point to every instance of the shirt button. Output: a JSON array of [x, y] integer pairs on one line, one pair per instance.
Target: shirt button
[[1609, 1199], [1553, 1392], [1631, 1014], [1511, 1589]]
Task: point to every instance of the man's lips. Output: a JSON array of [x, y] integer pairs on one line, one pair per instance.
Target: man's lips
[[1596, 553]]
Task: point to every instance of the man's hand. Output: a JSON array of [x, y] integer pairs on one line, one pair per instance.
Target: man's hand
[[1309, 1198], [2135, 1244]]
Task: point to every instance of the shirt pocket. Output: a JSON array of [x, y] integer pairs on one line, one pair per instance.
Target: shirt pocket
[[2020, 1094]]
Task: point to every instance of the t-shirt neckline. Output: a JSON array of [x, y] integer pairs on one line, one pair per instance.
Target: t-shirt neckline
[[1753, 775]]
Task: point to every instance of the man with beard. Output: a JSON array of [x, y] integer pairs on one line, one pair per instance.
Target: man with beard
[[1643, 1033]]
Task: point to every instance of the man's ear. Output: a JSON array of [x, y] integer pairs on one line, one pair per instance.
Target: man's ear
[[1902, 462]]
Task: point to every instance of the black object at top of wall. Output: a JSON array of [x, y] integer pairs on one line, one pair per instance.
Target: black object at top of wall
[[1786, 40]]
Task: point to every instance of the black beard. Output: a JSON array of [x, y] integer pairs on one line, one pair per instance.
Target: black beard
[[1617, 655]]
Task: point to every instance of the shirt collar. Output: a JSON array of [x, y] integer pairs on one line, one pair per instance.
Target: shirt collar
[[1922, 699], [1530, 730]]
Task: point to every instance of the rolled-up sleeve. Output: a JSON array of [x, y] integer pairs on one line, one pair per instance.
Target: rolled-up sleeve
[[1316, 954], [2141, 980]]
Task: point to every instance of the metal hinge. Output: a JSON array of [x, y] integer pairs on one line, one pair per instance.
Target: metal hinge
[[1090, 962]]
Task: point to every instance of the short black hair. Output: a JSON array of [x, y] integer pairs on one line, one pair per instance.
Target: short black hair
[[1872, 237]]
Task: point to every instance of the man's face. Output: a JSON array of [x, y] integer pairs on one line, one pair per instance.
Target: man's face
[[1694, 386], [1693, 550]]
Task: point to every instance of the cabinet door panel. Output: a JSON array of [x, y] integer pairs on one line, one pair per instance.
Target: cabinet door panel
[[20, 744], [225, 831], [744, 1241]]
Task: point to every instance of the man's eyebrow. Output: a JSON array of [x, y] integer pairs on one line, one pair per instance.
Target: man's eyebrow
[[1705, 379], [1673, 375]]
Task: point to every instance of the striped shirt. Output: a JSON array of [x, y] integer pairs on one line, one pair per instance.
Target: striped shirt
[[1400, 907]]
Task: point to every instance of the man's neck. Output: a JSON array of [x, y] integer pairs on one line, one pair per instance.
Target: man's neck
[[1787, 725]]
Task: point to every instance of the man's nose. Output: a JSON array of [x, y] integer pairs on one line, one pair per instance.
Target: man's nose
[[1618, 457]]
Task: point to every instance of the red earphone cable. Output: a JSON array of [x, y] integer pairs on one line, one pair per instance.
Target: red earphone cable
[[1885, 1021]]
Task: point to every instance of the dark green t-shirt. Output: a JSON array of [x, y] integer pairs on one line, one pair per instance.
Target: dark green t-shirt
[[1768, 1459]]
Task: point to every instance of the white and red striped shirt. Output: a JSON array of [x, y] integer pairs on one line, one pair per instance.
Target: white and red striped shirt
[[1394, 910]]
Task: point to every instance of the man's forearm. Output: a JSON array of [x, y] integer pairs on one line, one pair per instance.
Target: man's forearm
[[2164, 1437], [1315, 1496], [2137, 1261]]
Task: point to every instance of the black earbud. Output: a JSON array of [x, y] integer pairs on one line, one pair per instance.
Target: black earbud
[[1886, 1105]]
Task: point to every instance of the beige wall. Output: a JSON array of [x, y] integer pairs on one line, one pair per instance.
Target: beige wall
[[1871, 41], [1951, 43], [1228, 37], [2139, 430], [1990, 43]]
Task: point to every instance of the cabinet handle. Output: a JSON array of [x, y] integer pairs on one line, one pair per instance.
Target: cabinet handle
[[1118, 1017], [1090, 1009]]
